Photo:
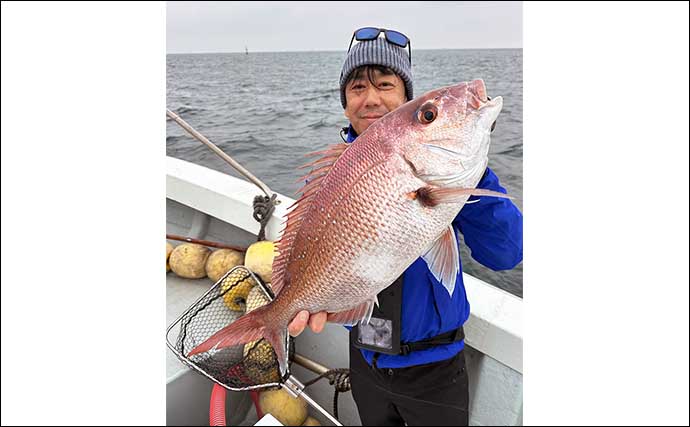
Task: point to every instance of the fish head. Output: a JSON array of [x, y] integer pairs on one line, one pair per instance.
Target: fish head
[[445, 133]]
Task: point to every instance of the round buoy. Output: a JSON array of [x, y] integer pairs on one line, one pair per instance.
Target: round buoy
[[188, 260], [237, 293], [259, 259], [221, 261], [290, 411]]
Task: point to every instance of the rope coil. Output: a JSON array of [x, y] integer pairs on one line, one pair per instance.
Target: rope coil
[[263, 209], [340, 378]]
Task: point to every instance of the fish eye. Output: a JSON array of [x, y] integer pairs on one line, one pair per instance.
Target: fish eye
[[427, 113]]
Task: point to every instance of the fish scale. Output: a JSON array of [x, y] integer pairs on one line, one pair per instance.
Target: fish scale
[[331, 223]]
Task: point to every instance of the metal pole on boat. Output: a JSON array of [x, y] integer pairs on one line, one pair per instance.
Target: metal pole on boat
[[309, 364], [220, 153], [293, 386], [205, 242]]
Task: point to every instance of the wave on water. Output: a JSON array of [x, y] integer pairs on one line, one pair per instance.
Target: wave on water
[[187, 111]]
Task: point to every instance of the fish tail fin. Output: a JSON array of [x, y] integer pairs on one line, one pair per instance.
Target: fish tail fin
[[250, 327], [278, 340], [247, 328]]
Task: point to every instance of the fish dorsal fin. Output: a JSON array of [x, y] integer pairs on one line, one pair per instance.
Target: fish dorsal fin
[[350, 317], [298, 211], [443, 259]]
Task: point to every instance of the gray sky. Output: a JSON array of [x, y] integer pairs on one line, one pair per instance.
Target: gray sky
[[195, 27]]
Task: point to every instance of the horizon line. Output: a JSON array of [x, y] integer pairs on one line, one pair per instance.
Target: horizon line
[[332, 50]]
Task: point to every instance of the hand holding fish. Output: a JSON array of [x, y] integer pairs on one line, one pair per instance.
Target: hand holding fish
[[316, 322]]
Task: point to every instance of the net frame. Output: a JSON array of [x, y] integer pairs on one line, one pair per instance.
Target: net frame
[[237, 368]]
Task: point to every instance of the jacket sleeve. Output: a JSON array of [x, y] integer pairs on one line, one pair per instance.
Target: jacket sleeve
[[492, 227]]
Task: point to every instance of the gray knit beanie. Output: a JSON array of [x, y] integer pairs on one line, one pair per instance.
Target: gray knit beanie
[[377, 52]]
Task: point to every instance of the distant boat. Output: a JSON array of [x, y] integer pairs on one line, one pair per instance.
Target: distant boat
[[246, 51]]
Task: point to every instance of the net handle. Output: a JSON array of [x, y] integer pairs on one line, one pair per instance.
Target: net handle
[[296, 389]]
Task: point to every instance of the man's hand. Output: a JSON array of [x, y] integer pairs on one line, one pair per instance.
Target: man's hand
[[316, 322]]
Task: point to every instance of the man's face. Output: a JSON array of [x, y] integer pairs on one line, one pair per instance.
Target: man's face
[[367, 103]]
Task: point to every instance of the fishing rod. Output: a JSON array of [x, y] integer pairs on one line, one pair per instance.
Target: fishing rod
[[221, 154]]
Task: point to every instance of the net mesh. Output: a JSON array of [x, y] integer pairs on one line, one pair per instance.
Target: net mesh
[[239, 367]]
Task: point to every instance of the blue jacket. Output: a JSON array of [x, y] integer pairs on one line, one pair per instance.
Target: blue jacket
[[492, 228]]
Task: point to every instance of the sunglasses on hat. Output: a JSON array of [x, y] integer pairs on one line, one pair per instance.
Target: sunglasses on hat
[[393, 37]]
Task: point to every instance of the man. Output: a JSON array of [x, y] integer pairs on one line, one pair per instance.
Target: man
[[416, 375]]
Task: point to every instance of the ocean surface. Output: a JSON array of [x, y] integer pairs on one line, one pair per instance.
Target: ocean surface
[[267, 110]]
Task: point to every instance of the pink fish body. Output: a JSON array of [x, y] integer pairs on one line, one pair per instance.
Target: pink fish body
[[371, 208]]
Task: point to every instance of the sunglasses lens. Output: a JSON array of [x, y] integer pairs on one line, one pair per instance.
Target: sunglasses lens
[[397, 38], [367, 33]]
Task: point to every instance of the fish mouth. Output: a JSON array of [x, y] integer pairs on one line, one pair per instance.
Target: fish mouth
[[480, 101], [494, 107], [475, 93]]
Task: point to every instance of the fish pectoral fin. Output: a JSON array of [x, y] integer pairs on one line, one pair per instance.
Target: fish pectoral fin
[[351, 317], [432, 196], [443, 259]]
